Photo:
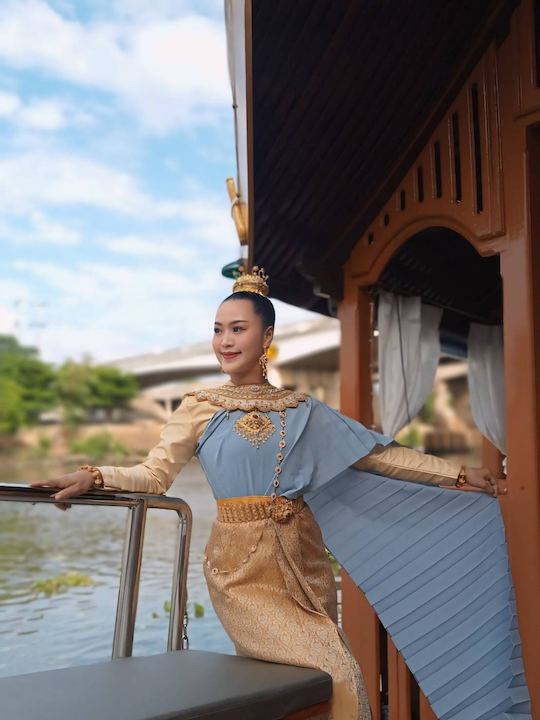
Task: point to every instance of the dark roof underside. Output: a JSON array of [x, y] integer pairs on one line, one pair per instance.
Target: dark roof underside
[[340, 88], [445, 270]]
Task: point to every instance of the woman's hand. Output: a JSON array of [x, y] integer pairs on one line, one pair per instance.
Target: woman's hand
[[72, 484], [485, 480]]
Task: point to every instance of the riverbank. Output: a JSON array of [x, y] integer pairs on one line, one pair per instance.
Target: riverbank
[[52, 444]]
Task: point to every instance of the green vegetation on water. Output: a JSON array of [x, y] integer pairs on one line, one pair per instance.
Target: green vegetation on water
[[195, 610], [61, 583], [99, 445]]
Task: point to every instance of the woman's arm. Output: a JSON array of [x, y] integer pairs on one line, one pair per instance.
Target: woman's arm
[[156, 473], [405, 463]]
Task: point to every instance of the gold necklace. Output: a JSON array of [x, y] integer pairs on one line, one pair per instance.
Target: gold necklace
[[255, 399], [264, 397]]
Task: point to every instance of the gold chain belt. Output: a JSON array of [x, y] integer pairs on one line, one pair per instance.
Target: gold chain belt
[[257, 507]]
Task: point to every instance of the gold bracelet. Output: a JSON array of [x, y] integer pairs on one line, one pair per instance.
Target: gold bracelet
[[462, 477], [96, 474]]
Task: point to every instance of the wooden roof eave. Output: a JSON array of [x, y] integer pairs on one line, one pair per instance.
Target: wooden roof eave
[[308, 266]]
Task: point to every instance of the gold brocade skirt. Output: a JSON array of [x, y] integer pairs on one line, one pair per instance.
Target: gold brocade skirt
[[272, 587]]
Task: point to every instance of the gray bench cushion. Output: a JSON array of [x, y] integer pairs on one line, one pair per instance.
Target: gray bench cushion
[[179, 685]]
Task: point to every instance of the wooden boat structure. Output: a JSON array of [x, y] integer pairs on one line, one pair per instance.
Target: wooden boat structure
[[395, 146]]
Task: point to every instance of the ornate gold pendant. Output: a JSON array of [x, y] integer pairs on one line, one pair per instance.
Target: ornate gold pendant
[[254, 427]]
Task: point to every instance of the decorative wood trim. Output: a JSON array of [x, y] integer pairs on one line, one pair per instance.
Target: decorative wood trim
[[455, 182], [527, 89]]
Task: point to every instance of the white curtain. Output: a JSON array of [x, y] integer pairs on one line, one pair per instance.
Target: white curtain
[[486, 381], [409, 349]]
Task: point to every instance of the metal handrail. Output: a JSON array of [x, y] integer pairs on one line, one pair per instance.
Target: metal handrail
[[128, 593]]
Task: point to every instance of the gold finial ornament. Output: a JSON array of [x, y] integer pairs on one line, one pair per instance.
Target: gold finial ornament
[[255, 281]]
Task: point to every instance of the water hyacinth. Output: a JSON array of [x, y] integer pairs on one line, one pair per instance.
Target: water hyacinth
[[61, 583]]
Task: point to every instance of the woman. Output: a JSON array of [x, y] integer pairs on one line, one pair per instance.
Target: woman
[[264, 450]]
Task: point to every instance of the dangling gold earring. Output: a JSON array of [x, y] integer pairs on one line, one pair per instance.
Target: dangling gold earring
[[263, 360]]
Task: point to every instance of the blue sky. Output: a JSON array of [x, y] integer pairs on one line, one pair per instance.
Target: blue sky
[[116, 138]]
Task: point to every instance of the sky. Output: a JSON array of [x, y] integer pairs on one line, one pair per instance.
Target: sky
[[116, 138]]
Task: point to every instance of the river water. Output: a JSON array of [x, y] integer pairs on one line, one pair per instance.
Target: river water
[[76, 627]]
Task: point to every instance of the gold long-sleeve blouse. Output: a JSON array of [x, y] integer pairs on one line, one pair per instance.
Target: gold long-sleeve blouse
[[206, 424]]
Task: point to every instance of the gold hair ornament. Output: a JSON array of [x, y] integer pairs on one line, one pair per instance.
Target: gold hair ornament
[[255, 281]]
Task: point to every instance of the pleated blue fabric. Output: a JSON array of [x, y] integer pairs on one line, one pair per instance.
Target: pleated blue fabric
[[433, 564], [432, 561]]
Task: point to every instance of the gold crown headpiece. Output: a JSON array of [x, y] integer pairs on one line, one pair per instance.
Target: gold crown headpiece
[[255, 281]]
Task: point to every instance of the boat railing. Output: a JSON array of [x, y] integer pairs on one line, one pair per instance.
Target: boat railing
[[138, 505], [183, 684]]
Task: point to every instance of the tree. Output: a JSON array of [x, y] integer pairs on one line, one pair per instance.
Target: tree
[[11, 414], [28, 386], [83, 387], [111, 388], [11, 346], [35, 381], [73, 382], [73, 388]]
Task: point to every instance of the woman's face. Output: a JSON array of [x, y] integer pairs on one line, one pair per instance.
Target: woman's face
[[239, 338]]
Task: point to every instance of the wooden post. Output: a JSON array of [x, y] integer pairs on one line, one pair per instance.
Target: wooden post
[[360, 622], [399, 685], [520, 269]]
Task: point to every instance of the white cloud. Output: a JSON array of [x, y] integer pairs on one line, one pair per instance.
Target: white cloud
[[14, 291], [50, 114], [113, 311], [45, 230], [42, 114], [8, 321], [34, 179], [170, 72], [150, 246], [9, 104], [128, 309], [159, 289], [120, 283], [206, 223], [74, 341], [140, 10], [41, 230], [208, 220]]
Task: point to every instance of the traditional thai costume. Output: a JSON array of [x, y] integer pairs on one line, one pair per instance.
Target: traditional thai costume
[[292, 475]]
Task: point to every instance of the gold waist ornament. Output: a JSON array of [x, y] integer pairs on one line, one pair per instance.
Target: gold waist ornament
[[258, 507]]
